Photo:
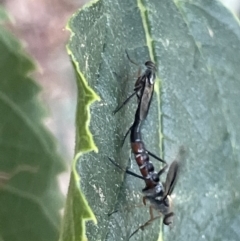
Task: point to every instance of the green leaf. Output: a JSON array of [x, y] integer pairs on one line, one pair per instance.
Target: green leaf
[[3, 15], [30, 198], [195, 45]]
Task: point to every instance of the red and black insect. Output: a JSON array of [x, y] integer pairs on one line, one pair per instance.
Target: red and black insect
[[156, 192], [141, 154], [144, 87]]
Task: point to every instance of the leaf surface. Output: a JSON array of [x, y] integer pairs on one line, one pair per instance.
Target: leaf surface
[[195, 105]]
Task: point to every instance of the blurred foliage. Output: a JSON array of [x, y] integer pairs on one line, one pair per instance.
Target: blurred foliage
[[30, 198]]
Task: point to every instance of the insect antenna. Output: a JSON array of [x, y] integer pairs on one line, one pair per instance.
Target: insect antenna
[[125, 136], [115, 211], [145, 225], [130, 58]]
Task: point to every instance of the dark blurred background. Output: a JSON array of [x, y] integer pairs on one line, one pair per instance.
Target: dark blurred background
[[41, 27]]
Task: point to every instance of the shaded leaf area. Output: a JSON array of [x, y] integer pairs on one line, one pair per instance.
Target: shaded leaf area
[[30, 198], [193, 106]]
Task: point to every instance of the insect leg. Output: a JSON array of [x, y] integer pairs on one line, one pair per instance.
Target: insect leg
[[125, 136], [115, 211], [130, 58], [162, 170], [125, 170], [156, 157], [145, 224], [125, 102]]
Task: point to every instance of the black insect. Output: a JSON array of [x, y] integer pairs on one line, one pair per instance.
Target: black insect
[[158, 194], [160, 200], [143, 85], [143, 88]]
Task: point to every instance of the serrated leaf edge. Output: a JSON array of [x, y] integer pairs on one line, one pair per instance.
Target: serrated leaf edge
[[92, 147]]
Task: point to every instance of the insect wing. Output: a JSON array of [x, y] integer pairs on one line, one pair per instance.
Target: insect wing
[[174, 170], [145, 101], [171, 179]]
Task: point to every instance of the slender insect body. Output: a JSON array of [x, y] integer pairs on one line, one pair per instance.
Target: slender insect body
[[155, 192], [141, 155]]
